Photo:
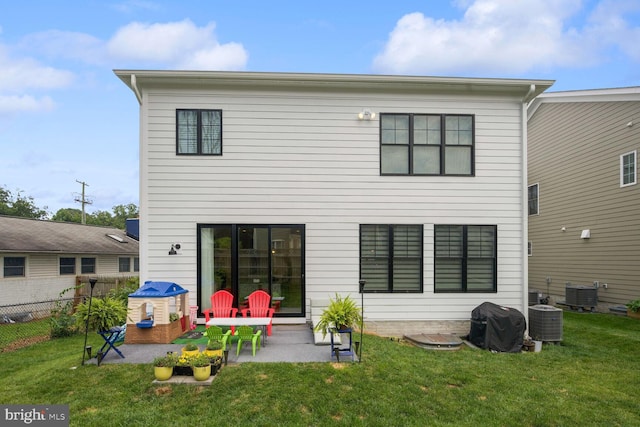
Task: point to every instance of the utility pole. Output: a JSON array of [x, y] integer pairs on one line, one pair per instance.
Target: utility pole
[[83, 200]]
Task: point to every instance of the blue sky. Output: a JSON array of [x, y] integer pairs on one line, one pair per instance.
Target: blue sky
[[65, 117]]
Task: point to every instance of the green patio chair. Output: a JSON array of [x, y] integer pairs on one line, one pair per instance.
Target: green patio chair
[[245, 333], [214, 333]]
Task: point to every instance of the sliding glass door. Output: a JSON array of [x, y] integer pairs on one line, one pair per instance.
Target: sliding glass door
[[245, 258]]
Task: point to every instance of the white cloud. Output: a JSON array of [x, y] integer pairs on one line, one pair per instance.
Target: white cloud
[[66, 44], [175, 45], [17, 74], [494, 37], [25, 103]]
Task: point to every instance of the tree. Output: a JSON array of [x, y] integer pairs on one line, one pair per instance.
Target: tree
[[68, 215], [20, 205]]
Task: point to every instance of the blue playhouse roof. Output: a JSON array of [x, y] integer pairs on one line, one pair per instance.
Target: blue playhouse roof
[[158, 289]]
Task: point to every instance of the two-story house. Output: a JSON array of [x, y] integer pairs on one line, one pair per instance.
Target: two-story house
[[304, 184], [584, 197]]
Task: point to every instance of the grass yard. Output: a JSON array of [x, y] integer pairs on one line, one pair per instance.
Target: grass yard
[[591, 379]]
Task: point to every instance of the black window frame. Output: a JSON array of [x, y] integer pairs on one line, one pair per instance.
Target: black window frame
[[15, 266], [533, 200], [136, 264], [442, 144], [199, 132], [67, 265], [391, 259], [87, 267], [121, 265], [464, 260]]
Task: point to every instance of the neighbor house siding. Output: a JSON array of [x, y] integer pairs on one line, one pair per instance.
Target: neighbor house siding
[[574, 155], [302, 157]]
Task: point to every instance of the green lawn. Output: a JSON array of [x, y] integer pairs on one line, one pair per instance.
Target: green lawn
[[591, 379]]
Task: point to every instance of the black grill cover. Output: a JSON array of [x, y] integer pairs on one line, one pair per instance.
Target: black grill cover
[[498, 328]]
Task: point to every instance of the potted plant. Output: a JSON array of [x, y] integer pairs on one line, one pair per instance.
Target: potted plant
[[633, 308], [201, 365], [163, 367], [213, 348], [190, 349], [342, 313]]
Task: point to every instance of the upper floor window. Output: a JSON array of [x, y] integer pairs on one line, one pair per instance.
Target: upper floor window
[[67, 266], [628, 169], [14, 266], [427, 144], [466, 258], [88, 266], [391, 258], [199, 132], [533, 199]]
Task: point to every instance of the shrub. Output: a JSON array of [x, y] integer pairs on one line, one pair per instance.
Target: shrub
[[62, 320], [106, 313]]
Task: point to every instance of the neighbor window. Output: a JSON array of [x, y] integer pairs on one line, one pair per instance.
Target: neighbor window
[[465, 258], [628, 169], [124, 264], [88, 266], [14, 266], [136, 264], [391, 258], [67, 266], [426, 144], [199, 132], [533, 199]]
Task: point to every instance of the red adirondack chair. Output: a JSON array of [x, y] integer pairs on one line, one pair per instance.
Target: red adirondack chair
[[221, 306], [259, 306]]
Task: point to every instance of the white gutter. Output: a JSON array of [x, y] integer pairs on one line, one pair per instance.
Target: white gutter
[[136, 90]]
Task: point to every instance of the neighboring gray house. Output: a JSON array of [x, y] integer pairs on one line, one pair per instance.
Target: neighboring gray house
[[42, 258], [584, 197], [303, 184]]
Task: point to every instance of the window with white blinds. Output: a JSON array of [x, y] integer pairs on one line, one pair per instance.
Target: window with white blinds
[[391, 257], [465, 258]]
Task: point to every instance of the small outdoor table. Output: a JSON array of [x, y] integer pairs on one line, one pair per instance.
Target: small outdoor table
[[261, 322], [109, 338]]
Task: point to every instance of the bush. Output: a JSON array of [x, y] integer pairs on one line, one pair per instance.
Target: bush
[[106, 313], [122, 292], [62, 320]]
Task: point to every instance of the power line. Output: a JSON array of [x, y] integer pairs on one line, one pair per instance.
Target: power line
[[83, 200]]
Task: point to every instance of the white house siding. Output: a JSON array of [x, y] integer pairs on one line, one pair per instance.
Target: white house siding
[[303, 157]]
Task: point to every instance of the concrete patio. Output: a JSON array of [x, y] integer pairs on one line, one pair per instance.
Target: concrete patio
[[288, 343]]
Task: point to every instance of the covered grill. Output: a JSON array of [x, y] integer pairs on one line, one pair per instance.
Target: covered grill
[[498, 328]]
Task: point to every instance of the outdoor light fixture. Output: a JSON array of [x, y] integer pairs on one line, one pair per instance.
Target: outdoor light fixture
[[86, 349], [366, 114], [173, 251]]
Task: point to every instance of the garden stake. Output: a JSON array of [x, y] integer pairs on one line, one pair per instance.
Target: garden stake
[[92, 282], [362, 283]]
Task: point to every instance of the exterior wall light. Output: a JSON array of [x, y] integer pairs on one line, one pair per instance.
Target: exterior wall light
[[366, 114]]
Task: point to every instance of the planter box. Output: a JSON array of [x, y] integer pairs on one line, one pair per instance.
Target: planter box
[[633, 314]]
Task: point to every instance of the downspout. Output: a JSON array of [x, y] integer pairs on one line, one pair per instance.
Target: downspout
[[136, 90], [525, 211]]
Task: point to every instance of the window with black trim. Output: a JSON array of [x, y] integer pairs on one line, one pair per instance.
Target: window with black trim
[[466, 258], [14, 266], [124, 264], [427, 144], [67, 265], [199, 132], [391, 257], [534, 195], [87, 265], [136, 264]]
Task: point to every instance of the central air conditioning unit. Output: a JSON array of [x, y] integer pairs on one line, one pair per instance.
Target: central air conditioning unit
[[580, 296], [545, 323], [534, 297]]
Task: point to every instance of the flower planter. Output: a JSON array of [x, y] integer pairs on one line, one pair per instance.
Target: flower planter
[[162, 373], [201, 373], [212, 353], [189, 353], [633, 314]]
